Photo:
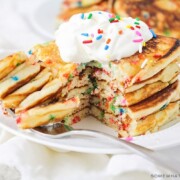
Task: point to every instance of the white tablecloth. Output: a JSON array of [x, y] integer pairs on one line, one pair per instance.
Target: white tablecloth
[[22, 159]]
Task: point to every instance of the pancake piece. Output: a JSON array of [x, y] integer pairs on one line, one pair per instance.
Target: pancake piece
[[155, 102], [14, 99], [43, 115], [67, 13], [152, 122], [47, 92], [162, 16], [125, 126], [9, 63], [128, 99], [165, 75], [18, 80], [159, 52]]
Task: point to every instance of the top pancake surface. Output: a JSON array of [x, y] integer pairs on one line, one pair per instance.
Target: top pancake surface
[[158, 53]]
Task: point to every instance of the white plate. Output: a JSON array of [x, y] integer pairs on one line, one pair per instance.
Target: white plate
[[165, 138], [44, 23]]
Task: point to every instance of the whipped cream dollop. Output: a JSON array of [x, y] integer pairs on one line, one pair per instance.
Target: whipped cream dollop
[[100, 36]]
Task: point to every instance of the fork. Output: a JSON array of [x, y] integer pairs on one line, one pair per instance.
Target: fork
[[60, 130]]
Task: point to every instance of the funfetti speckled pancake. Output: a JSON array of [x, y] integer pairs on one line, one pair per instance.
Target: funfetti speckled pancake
[[19, 79], [161, 15], [165, 75], [42, 115], [127, 127], [14, 99], [157, 54], [9, 63], [155, 102]]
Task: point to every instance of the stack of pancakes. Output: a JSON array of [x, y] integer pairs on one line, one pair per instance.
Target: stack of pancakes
[[143, 91], [161, 15], [42, 89], [134, 95]]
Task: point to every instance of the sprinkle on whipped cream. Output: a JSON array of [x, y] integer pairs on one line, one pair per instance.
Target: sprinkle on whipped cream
[[101, 36]]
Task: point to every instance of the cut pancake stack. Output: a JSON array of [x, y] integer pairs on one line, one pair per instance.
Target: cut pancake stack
[[134, 95], [142, 93]]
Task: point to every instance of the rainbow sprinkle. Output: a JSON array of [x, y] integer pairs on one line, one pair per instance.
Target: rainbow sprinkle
[[140, 48], [123, 102], [121, 111], [163, 107], [153, 33], [52, 117], [106, 47], [108, 41], [120, 32], [137, 23], [111, 20], [85, 34], [138, 33], [82, 16], [79, 4], [100, 31], [18, 120], [92, 35], [90, 16], [14, 78], [128, 26], [157, 56], [129, 138], [30, 52], [137, 40], [99, 37], [118, 17], [144, 63], [18, 64], [87, 41]]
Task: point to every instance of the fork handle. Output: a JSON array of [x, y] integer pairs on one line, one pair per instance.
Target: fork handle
[[153, 156]]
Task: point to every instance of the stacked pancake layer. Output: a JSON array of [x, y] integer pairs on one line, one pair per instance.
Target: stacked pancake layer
[[134, 95]]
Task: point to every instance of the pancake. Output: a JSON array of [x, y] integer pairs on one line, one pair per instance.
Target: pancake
[[78, 3], [144, 108], [165, 75], [18, 80], [155, 102], [47, 92], [14, 99], [67, 13], [125, 126], [106, 90], [9, 63], [44, 114], [162, 16], [152, 122], [159, 52]]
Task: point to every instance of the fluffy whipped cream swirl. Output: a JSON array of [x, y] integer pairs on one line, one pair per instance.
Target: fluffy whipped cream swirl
[[100, 36]]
